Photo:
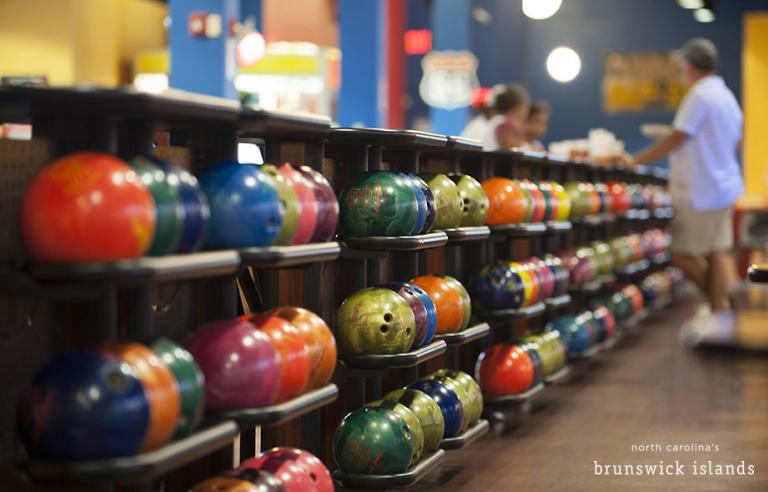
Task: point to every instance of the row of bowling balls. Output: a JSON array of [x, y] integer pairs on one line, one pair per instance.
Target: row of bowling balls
[[280, 469], [392, 203], [613, 196], [91, 206], [117, 399], [515, 201], [583, 330], [660, 284], [516, 284], [261, 359], [398, 317], [511, 368], [391, 435]]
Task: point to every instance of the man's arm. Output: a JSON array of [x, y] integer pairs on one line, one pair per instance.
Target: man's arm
[[660, 149]]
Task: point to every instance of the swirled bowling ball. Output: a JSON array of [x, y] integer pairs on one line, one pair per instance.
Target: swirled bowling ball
[[429, 198], [506, 201], [87, 207], [298, 470], [375, 320], [447, 400], [241, 367], [431, 315], [290, 202], [189, 380], [605, 321], [378, 203], [620, 201], [504, 370], [539, 202], [450, 311], [307, 201], [84, 405], [576, 334], [421, 201], [292, 349], [373, 441], [550, 200], [497, 287], [411, 421], [563, 202], [448, 204], [474, 201], [419, 309], [245, 207], [321, 344], [327, 205], [426, 410], [471, 388], [168, 210], [197, 211], [461, 392], [466, 301], [261, 482]]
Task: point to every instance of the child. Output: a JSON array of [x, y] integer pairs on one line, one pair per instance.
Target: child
[[506, 130], [537, 125]]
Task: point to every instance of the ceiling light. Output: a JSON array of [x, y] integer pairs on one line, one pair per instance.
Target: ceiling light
[[541, 9], [563, 64], [691, 4], [704, 15]]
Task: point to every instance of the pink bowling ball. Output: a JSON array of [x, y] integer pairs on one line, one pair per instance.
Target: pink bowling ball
[[307, 203]]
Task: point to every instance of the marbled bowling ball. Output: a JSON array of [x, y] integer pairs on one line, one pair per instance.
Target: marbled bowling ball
[[447, 400], [497, 287], [411, 421], [378, 203], [420, 310], [507, 204], [448, 203], [471, 388], [327, 205], [474, 200], [290, 202], [426, 410], [421, 200], [429, 221]]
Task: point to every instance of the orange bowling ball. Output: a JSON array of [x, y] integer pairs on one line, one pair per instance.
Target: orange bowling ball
[[504, 370], [507, 202], [450, 309], [294, 353], [87, 207], [319, 340], [160, 387]]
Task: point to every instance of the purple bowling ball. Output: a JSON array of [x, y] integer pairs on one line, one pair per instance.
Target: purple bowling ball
[[241, 368], [327, 205], [405, 290], [430, 203]]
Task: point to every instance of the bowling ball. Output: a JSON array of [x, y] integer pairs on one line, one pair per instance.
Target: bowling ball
[[189, 380], [421, 200], [375, 320], [426, 410], [471, 388], [450, 311], [538, 366], [550, 200], [429, 222], [241, 367], [236, 484], [327, 205], [429, 304], [466, 301], [378, 203], [504, 370], [410, 420], [530, 202], [559, 272], [497, 287], [506, 201], [447, 400], [290, 202], [373, 441], [593, 198], [575, 337], [308, 217], [635, 296], [298, 470], [579, 198], [87, 207], [463, 395], [563, 202], [448, 203], [605, 321], [168, 210], [620, 201], [587, 320], [160, 386], [245, 207], [406, 291], [539, 202], [196, 210], [530, 282], [292, 349], [606, 201], [84, 405], [474, 200], [317, 335], [546, 276]]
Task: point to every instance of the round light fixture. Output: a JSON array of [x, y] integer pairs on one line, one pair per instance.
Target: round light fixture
[[563, 64], [250, 49], [704, 15], [541, 9], [691, 4]]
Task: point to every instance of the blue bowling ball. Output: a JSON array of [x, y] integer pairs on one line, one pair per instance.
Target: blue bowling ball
[[575, 333], [421, 200], [587, 320], [497, 287], [430, 201], [245, 207], [429, 304], [447, 400], [84, 405], [196, 212]]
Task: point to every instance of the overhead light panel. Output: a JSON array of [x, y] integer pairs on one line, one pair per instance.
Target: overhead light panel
[[704, 15]]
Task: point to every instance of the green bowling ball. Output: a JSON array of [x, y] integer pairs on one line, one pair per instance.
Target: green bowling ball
[[378, 203], [373, 441], [621, 251], [448, 204], [190, 381], [466, 301], [411, 420], [470, 387], [375, 321], [465, 398], [168, 208], [580, 202], [529, 201], [549, 359], [554, 342], [604, 256], [475, 202], [290, 201], [426, 410]]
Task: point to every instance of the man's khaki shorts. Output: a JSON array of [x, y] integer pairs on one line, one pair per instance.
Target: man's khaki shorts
[[700, 232]]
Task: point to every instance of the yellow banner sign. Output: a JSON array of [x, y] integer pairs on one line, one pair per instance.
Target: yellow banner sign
[[636, 82]]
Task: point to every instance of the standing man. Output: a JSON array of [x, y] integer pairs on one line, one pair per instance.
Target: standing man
[[705, 176]]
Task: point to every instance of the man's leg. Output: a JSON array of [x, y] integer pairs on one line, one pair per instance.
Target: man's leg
[[694, 268], [719, 280]]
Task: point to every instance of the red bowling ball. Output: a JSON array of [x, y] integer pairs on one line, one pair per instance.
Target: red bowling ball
[[504, 370], [295, 468]]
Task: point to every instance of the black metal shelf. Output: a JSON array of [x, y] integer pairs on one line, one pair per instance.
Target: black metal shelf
[[282, 412], [420, 470], [633, 268], [258, 122], [141, 468], [517, 230], [465, 336], [383, 137], [464, 234], [558, 226], [558, 302], [559, 376], [467, 437], [511, 314], [495, 401], [393, 361], [286, 256], [399, 243]]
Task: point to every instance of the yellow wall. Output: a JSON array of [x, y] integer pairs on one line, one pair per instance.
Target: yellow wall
[[755, 77], [77, 40]]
